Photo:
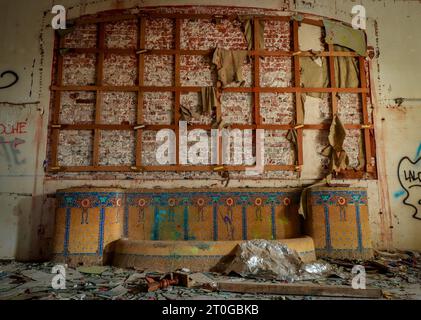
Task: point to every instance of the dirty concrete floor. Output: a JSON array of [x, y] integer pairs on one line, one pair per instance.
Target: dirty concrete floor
[[33, 281]]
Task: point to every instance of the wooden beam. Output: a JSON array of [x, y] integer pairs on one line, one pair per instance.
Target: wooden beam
[[366, 131], [197, 89], [317, 23], [55, 133], [177, 84], [140, 96], [171, 168], [256, 65], [150, 15], [332, 81], [299, 289], [99, 83], [241, 126], [299, 107], [260, 52]]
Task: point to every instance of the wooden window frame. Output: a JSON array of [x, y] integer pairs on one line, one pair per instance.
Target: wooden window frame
[[100, 51]]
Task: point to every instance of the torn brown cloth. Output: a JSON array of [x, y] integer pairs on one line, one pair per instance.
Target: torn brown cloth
[[338, 33], [338, 158], [229, 64], [188, 114], [314, 74], [209, 100], [247, 23], [292, 138], [302, 210], [347, 73]]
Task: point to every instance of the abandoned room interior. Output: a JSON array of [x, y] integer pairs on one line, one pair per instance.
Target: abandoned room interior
[[192, 150]]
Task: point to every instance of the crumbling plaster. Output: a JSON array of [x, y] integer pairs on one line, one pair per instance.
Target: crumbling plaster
[[26, 47]]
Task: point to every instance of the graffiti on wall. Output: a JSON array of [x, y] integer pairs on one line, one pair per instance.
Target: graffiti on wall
[[14, 81], [409, 176], [10, 141]]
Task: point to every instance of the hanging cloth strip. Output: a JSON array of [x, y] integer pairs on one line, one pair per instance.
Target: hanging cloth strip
[[347, 73], [247, 23], [338, 159], [229, 64], [209, 100]]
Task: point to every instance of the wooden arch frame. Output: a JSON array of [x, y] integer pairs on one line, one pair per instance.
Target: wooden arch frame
[[100, 51]]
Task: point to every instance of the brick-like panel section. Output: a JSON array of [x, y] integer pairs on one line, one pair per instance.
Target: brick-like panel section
[[159, 70], [277, 108], [75, 148], [79, 69], [158, 107], [276, 72], [278, 150], [159, 34], [83, 36], [350, 108], [116, 148], [120, 70], [118, 107], [277, 35], [77, 107], [237, 107], [197, 71], [121, 34]]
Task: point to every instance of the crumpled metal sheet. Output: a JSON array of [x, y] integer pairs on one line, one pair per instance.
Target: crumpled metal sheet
[[265, 259], [271, 260], [315, 270]]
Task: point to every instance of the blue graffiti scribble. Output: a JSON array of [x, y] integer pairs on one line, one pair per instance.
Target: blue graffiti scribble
[[418, 153], [159, 216], [402, 192], [399, 193]]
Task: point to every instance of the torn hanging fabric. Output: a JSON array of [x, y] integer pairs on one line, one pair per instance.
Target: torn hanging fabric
[[229, 64], [346, 70], [302, 210], [338, 33], [209, 100], [338, 158], [292, 138], [314, 74], [248, 31]]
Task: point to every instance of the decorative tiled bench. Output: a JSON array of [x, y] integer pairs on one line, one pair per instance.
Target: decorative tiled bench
[[192, 228], [338, 222], [90, 220], [218, 215], [87, 220]]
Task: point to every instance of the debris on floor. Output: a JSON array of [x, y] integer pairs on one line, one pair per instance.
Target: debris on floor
[[397, 274], [263, 259]]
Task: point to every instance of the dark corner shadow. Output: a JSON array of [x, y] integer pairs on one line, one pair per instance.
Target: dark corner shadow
[[35, 228]]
